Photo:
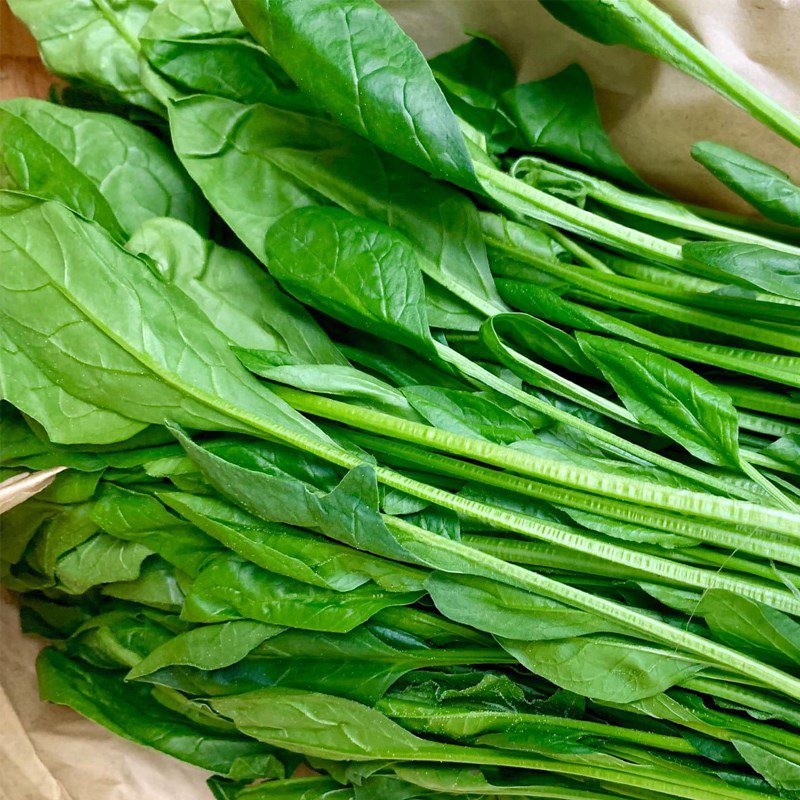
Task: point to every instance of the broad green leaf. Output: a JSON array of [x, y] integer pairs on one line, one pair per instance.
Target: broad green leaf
[[139, 517], [67, 419], [353, 269], [101, 559], [57, 536], [159, 585], [780, 772], [604, 668], [337, 54], [505, 611], [100, 165], [348, 513], [468, 413], [319, 725], [207, 647], [230, 588], [751, 627], [92, 44], [203, 47], [96, 320], [292, 552], [473, 76], [559, 116], [768, 269], [765, 187], [334, 379], [307, 161], [236, 294], [669, 398], [129, 711]]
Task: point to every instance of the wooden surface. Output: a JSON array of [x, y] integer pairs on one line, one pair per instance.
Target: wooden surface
[[22, 73]]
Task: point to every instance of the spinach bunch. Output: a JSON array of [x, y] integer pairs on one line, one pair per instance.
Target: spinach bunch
[[410, 437]]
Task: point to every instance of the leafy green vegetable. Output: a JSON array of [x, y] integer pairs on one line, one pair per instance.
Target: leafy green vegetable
[[559, 116], [94, 45], [765, 187]]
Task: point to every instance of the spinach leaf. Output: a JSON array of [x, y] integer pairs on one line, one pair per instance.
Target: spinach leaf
[[356, 271], [65, 418], [669, 398], [235, 293], [507, 611], [468, 413], [94, 45], [473, 76], [336, 53], [103, 167], [765, 187], [750, 626], [292, 552], [559, 116], [230, 588], [333, 379], [604, 668], [101, 559], [229, 149], [131, 712], [95, 319], [768, 269], [207, 647], [643, 26], [202, 47], [780, 772]]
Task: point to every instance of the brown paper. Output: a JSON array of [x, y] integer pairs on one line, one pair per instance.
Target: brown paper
[[653, 114]]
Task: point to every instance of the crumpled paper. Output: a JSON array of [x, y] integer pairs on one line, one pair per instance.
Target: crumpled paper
[[652, 112]]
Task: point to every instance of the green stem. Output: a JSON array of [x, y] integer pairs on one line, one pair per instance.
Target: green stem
[[733, 512], [605, 288], [463, 558], [489, 379], [411, 457]]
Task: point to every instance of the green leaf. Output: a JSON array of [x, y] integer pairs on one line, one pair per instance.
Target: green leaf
[[138, 517], [207, 647], [92, 44], [129, 711], [203, 47], [505, 611], [604, 668], [292, 552], [230, 588], [669, 398], [559, 116], [102, 166], [353, 269], [348, 513], [65, 418], [468, 413], [751, 627], [768, 269], [234, 292], [780, 772], [473, 76], [319, 725], [94, 319], [230, 149], [336, 53], [330, 379], [101, 559], [765, 187]]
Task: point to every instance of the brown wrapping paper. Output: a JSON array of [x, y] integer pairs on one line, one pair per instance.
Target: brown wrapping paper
[[653, 114]]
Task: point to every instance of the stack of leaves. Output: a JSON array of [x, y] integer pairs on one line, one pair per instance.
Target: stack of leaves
[[409, 435]]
